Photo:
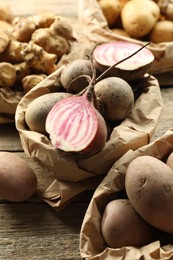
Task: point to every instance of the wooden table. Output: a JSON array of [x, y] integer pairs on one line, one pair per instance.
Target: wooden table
[[33, 230]]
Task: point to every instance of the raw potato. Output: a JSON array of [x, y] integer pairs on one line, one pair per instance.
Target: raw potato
[[121, 32], [139, 17], [162, 32], [111, 10], [123, 2], [18, 182], [39, 108], [122, 226], [166, 7], [149, 187], [115, 98]]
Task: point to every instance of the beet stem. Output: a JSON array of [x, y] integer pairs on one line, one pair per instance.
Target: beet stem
[[117, 63], [89, 91]]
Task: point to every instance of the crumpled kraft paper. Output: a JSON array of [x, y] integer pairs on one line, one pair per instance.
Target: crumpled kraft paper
[[92, 245], [75, 173], [96, 29], [9, 100]]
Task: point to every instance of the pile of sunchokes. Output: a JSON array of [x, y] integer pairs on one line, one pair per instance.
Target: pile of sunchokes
[[31, 47]]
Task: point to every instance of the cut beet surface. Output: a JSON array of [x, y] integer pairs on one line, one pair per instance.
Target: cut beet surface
[[108, 54]]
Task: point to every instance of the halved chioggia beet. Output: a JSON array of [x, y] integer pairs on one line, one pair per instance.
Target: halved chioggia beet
[[75, 125], [107, 54]]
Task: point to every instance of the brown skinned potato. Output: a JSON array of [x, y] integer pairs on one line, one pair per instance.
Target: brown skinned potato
[[122, 226], [18, 182], [149, 183], [39, 108]]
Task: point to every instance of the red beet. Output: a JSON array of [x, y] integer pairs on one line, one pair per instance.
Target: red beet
[[108, 54], [75, 125]]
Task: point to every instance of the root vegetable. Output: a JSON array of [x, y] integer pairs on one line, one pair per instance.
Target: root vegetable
[[18, 182], [13, 52], [34, 55], [166, 7], [7, 74], [6, 13], [6, 28], [29, 81], [115, 98], [22, 70], [149, 183], [139, 17], [39, 59], [162, 32], [122, 226], [62, 28], [39, 108], [74, 124], [120, 31], [111, 10], [76, 70], [4, 41], [23, 28], [50, 42], [107, 54], [54, 39], [44, 19]]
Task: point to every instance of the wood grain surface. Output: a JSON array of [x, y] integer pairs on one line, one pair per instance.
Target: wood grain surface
[[33, 230]]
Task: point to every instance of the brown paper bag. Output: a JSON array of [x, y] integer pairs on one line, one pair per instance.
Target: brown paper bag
[[9, 100], [92, 245], [74, 174], [97, 30]]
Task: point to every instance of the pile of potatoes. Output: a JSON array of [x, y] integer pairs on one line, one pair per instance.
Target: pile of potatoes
[[31, 47], [143, 20], [145, 213]]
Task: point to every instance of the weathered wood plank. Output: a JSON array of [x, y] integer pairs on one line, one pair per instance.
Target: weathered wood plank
[[9, 138], [36, 231], [67, 8]]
